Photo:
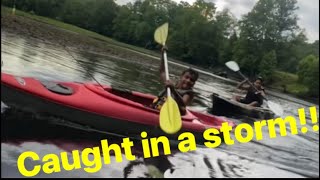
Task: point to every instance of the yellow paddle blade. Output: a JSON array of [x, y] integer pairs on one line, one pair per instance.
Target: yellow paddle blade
[[170, 118], [161, 33]]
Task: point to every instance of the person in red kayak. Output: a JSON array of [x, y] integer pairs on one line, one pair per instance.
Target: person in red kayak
[[253, 97], [181, 90]]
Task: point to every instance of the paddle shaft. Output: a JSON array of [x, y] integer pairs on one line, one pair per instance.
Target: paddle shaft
[[166, 70]]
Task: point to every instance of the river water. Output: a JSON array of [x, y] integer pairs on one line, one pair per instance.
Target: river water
[[288, 156]]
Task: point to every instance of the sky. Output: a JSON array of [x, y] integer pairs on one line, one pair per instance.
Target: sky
[[308, 12]]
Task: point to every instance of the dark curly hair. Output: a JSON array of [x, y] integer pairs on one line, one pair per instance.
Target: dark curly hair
[[193, 73], [259, 78]]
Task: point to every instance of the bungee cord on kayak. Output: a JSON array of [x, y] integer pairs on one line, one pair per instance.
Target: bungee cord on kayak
[[65, 48]]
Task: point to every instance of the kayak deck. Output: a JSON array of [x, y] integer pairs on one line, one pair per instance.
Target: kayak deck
[[104, 108]]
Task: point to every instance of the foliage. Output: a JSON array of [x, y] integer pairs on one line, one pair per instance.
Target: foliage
[[268, 65], [308, 72], [265, 39]]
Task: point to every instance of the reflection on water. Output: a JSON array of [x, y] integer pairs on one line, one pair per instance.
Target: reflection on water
[[118, 73], [290, 156]]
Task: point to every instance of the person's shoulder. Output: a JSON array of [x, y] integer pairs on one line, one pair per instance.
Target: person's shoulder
[[190, 92], [186, 91], [251, 88]]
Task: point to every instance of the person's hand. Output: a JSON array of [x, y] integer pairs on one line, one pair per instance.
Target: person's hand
[[164, 48], [169, 84], [261, 93]]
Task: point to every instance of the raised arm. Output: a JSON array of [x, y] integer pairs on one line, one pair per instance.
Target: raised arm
[[262, 92], [243, 86]]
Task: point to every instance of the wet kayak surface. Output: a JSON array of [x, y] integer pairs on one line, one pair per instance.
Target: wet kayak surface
[[288, 156]]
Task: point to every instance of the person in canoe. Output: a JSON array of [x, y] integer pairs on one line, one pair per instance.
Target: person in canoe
[[253, 97], [181, 90]]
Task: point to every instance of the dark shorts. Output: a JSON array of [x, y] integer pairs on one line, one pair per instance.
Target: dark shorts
[[245, 101]]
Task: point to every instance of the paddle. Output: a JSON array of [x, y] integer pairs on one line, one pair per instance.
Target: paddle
[[274, 107], [170, 118]]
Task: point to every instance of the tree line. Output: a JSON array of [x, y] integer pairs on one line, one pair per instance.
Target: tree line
[[267, 38]]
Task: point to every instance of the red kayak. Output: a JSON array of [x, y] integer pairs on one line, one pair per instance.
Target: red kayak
[[107, 109]]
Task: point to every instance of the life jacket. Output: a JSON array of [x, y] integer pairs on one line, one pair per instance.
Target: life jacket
[[161, 99]]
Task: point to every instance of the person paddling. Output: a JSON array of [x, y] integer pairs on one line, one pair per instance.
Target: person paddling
[[253, 98], [182, 90]]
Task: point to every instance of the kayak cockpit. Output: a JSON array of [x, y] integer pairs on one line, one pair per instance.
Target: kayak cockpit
[[140, 98], [122, 96], [131, 98], [57, 88]]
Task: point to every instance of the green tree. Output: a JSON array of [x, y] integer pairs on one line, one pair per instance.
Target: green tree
[[135, 22], [268, 26], [291, 52], [121, 24], [268, 65], [225, 24], [308, 72], [227, 53], [48, 8], [76, 12]]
